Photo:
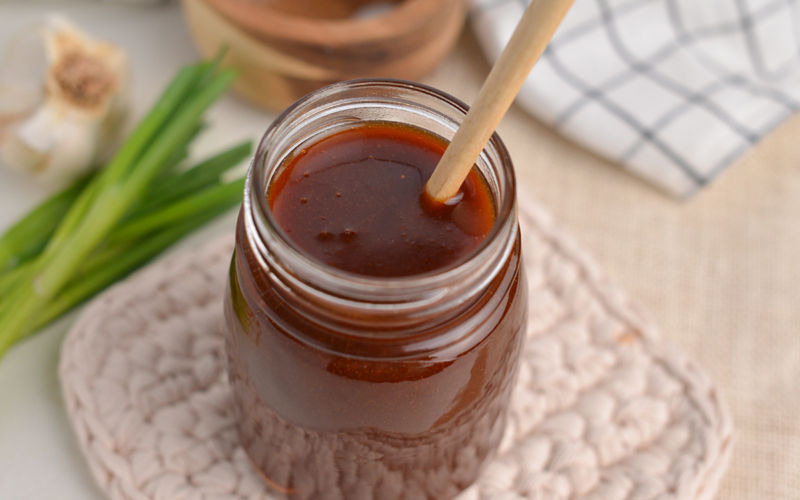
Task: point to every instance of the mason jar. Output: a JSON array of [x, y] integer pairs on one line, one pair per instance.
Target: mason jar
[[359, 387]]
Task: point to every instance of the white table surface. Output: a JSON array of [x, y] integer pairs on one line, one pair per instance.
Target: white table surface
[[39, 456]]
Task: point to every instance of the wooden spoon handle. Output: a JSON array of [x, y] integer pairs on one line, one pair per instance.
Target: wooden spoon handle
[[529, 40]]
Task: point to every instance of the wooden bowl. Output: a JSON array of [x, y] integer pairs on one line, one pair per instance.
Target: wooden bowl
[[284, 49]]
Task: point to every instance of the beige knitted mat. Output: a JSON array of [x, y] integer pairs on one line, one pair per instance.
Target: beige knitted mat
[[603, 409]]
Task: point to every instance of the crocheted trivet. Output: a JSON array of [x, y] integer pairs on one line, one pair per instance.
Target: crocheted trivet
[[603, 408]]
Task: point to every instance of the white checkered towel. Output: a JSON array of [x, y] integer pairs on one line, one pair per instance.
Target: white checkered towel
[[674, 90]]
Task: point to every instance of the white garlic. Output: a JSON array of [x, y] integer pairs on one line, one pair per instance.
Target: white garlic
[[62, 99]]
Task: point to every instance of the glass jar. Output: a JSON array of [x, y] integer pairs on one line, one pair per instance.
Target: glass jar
[[349, 386]]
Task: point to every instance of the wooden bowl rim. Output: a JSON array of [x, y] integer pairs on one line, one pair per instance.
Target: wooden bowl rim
[[260, 19]]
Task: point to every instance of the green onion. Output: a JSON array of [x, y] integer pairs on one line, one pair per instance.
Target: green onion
[[12, 277], [101, 229], [131, 150], [128, 261], [223, 195], [30, 234], [116, 198], [196, 178]]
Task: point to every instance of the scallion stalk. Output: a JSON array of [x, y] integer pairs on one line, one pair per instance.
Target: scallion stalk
[[170, 100], [95, 234], [127, 262], [194, 179], [223, 195], [30, 234], [116, 198]]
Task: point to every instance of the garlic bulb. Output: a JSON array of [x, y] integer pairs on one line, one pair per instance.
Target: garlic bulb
[[62, 98]]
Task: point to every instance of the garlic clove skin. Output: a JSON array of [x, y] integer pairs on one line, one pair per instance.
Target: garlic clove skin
[[82, 105], [73, 153], [52, 147], [83, 74], [20, 156]]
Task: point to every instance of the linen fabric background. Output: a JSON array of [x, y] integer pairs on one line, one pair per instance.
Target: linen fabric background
[[674, 90]]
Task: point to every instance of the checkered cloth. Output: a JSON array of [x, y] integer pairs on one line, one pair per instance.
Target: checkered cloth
[[674, 90]]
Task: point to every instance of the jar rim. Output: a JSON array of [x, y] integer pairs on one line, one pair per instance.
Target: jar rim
[[258, 187]]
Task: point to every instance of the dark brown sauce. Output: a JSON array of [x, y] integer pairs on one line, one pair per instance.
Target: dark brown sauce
[[326, 415], [355, 201]]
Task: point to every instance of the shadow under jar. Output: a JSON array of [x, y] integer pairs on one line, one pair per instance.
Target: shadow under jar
[[351, 386]]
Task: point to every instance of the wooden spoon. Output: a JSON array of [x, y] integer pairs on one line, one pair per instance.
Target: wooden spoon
[[529, 40]]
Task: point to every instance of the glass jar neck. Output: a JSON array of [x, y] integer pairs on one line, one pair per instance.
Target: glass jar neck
[[354, 305]]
